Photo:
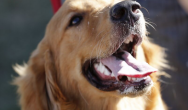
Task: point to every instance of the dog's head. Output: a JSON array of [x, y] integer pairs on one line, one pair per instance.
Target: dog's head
[[95, 44]]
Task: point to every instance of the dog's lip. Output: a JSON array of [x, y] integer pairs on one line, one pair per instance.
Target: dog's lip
[[111, 83]]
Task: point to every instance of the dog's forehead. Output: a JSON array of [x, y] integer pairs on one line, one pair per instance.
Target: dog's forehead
[[76, 5]]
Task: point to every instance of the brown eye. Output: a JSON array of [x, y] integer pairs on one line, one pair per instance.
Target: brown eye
[[76, 20]]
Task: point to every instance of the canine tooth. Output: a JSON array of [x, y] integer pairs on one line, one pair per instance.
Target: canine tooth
[[127, 41], [134, 79], [112, 75], [101, 68], [131, 39], [129, 78], [106, 72]]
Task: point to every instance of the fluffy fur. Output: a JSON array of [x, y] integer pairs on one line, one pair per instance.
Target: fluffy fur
[[53, 79]]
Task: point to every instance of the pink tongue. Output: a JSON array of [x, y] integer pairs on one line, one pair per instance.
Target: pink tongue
[[127, 67]]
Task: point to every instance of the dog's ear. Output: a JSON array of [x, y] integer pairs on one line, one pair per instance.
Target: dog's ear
[[55, 98], [37, 82], [31, 81]]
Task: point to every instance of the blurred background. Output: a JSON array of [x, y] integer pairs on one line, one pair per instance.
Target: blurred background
[[22, 26]]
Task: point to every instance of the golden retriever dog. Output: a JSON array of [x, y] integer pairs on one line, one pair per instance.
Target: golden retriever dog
[[93, 57]]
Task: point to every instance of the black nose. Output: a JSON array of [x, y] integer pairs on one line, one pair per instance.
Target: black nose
[[125, 12]]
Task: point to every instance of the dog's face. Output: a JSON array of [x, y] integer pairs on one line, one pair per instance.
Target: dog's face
[[95, 48]]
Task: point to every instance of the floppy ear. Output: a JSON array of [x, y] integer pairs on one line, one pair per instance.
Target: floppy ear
[[37, 83], [55, 97], [31, 82]]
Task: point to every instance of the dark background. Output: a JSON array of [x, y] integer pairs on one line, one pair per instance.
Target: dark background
[[22, 26]]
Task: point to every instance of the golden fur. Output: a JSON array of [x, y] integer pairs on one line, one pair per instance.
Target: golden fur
[[53, 79]]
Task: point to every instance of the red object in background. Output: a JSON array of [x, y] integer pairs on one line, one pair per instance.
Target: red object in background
[[56, 4]]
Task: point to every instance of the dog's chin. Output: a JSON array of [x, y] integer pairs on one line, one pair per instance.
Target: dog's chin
[[120, 71], [134, 92]]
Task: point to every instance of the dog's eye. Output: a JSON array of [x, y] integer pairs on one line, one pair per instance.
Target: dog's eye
[[75, 20]]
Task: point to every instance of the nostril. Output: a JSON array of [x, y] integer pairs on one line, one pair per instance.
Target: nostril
[[135, 8], [118, 13], [122, 78], [125, 12]]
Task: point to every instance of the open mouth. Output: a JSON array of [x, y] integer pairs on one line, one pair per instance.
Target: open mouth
[[120, 71]]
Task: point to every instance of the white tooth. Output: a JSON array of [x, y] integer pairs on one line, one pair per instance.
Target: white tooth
[[129, 78], [112, 75], [133, 79], [96, 65], [101, 68], [131, 39], [139, 79], [106, 72], [127, 41]]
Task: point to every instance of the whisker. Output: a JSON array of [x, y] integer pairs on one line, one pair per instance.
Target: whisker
[[150, 25], [145, 9]]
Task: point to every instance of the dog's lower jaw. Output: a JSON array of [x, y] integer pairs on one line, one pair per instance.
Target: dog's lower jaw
[[114, 103], [150, 100], [144, 102]]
